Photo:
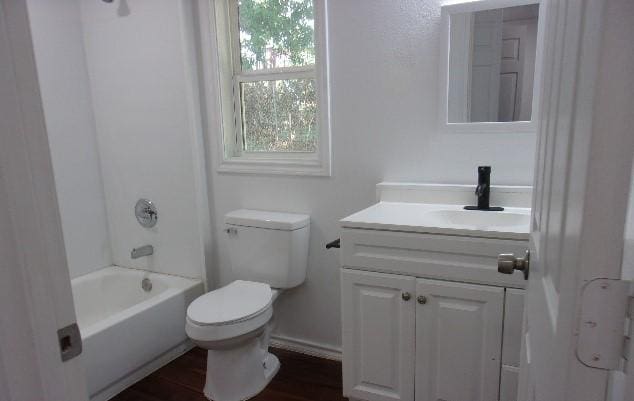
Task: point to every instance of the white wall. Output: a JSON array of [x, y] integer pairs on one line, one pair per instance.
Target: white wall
[[384, 82], [59, 50], [147, 122]]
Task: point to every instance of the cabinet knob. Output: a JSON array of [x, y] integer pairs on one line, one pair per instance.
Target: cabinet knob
[[422, 299], [406, 296]]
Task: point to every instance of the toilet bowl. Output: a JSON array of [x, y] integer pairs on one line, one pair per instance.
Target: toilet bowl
[[234, 323]]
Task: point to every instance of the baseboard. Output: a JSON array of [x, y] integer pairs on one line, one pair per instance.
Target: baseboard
[[306, 347], [141, 373]]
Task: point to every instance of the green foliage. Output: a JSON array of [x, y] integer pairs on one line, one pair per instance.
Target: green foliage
[[285, 27], [279, 116]]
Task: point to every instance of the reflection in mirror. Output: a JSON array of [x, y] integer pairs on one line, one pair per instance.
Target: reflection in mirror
[[492, 64]]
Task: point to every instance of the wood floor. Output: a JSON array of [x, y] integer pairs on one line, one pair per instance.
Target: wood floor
[[301, 378]]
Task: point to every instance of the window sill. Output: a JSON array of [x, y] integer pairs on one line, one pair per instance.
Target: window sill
[[238, 165]]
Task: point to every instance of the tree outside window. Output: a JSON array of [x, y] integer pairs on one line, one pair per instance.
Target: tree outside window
[[276, 76]]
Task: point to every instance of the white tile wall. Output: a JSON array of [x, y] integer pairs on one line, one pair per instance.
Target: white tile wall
[[59, 52]]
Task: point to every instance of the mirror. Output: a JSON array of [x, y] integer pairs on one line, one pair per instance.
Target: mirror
[[492, 64]]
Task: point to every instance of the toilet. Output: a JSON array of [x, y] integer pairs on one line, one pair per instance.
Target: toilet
[[268, 252]]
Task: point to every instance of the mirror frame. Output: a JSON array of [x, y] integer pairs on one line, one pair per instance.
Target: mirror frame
[[447, 11]]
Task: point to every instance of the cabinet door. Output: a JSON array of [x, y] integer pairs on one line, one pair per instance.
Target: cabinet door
[[511, 343], [513, 318], [458, 341], [378, 312]]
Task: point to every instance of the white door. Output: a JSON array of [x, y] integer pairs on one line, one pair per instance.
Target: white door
[[458, 341], [35, 293], [511, 72], [517, 69], [485, 65], [378, 321], [585, 152]]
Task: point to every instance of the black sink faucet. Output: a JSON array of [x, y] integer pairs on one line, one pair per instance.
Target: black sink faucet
[[483, 190]]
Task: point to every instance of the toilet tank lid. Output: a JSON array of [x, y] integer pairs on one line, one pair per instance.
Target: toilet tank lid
[[267, 219]]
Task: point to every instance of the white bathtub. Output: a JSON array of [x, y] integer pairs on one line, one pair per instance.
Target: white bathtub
[[126, 331]]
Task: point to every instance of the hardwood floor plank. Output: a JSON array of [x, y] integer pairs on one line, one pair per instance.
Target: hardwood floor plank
[[301, 378], [164, 390], [189, 371]]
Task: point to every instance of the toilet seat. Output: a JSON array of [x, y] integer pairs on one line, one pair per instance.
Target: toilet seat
[[234, 310]]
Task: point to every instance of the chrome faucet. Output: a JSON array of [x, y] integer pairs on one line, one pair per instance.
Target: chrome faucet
[[145, 250], [483, 191]]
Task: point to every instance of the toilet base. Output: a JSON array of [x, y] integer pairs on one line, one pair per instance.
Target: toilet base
[[240, 373]]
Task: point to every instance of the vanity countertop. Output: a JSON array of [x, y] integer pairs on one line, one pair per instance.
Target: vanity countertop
[[448, 219]]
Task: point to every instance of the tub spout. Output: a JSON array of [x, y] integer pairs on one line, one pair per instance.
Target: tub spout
[[145, 250]]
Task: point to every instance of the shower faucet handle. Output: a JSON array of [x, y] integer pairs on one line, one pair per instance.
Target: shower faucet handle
[[146, 213]]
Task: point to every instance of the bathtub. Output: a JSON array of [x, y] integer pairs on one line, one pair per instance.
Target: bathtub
[[128, 332]]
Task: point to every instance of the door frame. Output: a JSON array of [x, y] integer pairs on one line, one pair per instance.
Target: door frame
[[35, 292]]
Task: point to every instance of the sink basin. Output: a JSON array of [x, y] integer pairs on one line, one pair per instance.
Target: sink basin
[[448, 219], [475, 219]]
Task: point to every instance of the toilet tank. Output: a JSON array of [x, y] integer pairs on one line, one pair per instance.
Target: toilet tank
[[268, 247]]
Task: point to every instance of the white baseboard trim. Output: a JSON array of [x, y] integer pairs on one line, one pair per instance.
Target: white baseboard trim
[[306, 347], [141, 373]]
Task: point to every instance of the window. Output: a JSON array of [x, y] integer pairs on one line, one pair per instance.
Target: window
[[275, 108]]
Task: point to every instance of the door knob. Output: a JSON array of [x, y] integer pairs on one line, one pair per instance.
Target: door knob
[[508, 263]]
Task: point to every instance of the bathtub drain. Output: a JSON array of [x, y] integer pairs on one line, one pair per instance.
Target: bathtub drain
[[146, 284]]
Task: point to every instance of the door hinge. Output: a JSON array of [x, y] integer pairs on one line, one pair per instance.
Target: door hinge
[[602, 338]]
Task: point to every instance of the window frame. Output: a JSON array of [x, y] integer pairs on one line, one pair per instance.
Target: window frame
[[231, 76]]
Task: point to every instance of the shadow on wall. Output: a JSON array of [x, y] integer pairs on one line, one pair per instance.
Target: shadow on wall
[[123, 10]]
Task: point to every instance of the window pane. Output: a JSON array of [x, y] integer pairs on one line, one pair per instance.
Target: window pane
[[279, 116], [276, 33]]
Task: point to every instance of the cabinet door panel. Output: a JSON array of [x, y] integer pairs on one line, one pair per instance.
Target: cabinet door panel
[[509, 383], [513, 318], [458, 341], [378, 336]]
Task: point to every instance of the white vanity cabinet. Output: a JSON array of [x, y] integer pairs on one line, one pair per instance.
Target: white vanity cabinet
[[425, 314], [406, 338], [427, 317]]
